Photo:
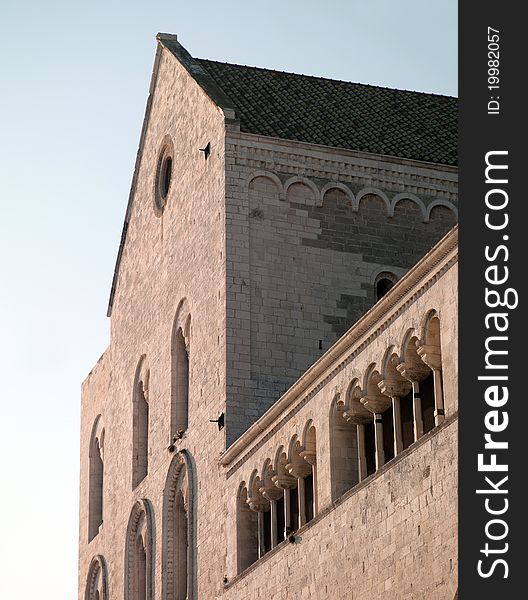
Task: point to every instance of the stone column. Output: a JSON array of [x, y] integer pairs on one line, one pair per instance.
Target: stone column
[[377, 404], [396, 389], [300, 469], [260, 505], [358, 415], [272, 493], [284, 483], [432, 357], [415, 372]]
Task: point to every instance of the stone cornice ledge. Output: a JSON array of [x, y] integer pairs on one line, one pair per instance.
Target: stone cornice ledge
[[329, 152], [444, 251]]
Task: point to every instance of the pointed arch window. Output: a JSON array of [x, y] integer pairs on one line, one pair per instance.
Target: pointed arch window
[[140, 434], [180, 371], [95, 479]]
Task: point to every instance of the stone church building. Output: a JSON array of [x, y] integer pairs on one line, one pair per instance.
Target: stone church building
[[276, 413]]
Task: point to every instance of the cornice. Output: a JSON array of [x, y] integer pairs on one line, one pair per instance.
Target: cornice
[[323, 162]]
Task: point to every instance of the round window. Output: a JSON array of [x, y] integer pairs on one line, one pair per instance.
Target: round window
[[163, 176]]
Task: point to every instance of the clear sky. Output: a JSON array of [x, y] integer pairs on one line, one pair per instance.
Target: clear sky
[[74, 80]]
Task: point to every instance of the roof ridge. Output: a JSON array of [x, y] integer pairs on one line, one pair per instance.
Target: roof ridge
[[369, 85]]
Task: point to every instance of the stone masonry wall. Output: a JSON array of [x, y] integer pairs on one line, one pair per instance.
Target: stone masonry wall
[[306, 239], [167, 258]]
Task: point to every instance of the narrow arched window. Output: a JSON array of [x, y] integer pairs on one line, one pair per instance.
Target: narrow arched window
[[247, 532], [138, 570], [140, 433], [180, 383], [96, 490], [430, 351], [97, 580], [383, 283], [343, 452], [95, 480], [178, 545]]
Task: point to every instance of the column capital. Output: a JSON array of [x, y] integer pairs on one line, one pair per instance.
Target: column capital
[[431, 355], [413, 371], [284, 481], [357, 413], [395, 388], [299, 468], [309, 456], [376, 404], [267, 487], [257, 502], [270, 491]]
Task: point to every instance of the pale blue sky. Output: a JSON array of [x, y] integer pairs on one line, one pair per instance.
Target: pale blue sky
[[74, 81]]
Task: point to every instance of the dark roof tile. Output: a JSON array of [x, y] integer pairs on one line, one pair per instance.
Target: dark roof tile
[[355, 116]]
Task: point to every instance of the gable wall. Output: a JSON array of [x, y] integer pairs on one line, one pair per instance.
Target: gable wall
[[178, 255]]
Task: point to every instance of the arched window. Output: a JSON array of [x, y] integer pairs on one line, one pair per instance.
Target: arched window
[[139, 566], [430, 351], [356, 414], [414, 369], [140, 433], [343, 450], [180, 371], [382, 287], [288, 505], [303, 495], [95, 479], [380, 406], [178, 542], [247, 531], [262, 507], [383, 283], [97, 580]]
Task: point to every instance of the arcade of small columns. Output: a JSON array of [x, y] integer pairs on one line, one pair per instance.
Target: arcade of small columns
[[373, 423], [279, 501]]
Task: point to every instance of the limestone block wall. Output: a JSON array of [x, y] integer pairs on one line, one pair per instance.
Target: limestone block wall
[[177, 256], [309, 230], [393, 535]]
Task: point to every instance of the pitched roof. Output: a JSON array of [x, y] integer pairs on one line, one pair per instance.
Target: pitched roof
[[337, 113]]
